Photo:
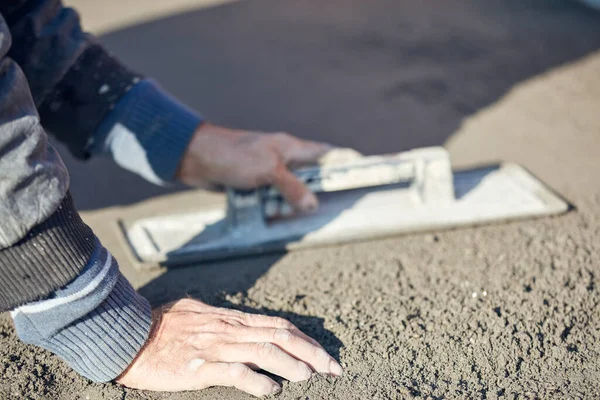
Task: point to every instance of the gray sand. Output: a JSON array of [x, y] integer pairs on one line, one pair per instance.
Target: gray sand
[[503, 311]]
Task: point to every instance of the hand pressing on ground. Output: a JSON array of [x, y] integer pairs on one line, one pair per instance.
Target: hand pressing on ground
[[241, 159], [193, 346]]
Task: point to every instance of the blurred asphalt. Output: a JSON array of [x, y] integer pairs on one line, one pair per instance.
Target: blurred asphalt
[[381, 76]]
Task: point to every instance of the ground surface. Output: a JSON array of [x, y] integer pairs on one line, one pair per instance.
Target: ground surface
[[505, 311]]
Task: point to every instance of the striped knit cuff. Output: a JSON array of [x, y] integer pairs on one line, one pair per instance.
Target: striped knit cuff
[[51, 255], [97, 324], [147, 132]]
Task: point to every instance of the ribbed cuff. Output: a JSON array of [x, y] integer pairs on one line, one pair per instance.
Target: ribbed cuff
[[50, 256], [97, 324], [161, 126], [101, 345]]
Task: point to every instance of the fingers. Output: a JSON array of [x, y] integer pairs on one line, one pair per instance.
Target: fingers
[[295, 192], [313, 355], [265, 356], [297, 152], [199, 346], [307, 153], [264, 321], [236, 375]]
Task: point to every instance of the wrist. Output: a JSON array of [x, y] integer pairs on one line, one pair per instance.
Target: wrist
[[97, 324], [148, 132], [210, 146]]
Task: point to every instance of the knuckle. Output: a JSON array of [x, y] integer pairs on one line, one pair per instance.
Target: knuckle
[[271, 174], [284, 323], [319, 354], [237, 314], [247, 318], [186, 304], [186, 301], [238, 370], [274, 165], [283, 136], [304, 372], [266, 350], [204, 340], [235, 321], [265, 142], [263, 386], [282, 335], [221, 325]]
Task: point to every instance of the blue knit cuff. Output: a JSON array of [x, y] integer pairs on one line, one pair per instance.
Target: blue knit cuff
[[97, 323], [147, 132]]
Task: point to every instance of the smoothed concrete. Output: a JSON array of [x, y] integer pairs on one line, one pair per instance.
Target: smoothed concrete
[[503, 311]]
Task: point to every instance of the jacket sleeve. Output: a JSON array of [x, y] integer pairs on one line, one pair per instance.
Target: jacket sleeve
[[91, 101], [43, 242], [75, 82], [65, 291], [97, 323]]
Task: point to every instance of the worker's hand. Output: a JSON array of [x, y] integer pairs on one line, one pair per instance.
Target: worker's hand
[[194, 346], [246, 160]]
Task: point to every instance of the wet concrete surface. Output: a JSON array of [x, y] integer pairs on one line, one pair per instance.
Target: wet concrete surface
[[502, 311]]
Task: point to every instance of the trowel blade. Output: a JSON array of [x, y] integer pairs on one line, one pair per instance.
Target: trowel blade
[[481, 195]]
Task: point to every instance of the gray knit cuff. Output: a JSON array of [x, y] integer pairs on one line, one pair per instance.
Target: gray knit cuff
[[103, 344], [99, 343]]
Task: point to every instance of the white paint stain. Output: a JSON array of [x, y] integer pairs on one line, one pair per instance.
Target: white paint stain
[[128, 152], [195, 364], [103, 89]]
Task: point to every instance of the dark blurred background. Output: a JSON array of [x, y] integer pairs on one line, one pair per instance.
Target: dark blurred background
[[379, 75]]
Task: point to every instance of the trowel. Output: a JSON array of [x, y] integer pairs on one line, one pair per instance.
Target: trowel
[[360, 198]]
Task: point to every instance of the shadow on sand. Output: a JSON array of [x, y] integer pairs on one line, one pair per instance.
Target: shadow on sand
[[213, 282], [381, 75]]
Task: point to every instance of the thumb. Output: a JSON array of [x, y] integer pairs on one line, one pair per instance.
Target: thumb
[[300, 197]]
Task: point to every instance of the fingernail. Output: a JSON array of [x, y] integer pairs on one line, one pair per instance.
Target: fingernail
[[335, 368], [275, 390], [309, 203]]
